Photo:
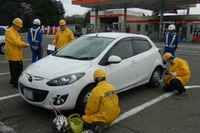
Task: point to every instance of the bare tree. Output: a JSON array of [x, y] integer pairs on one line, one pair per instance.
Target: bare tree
[[25, 9]]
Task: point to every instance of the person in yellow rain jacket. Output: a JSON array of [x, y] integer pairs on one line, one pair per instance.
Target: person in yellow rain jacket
[[178, 75], [63, 36], [102, 105], [13, 50]]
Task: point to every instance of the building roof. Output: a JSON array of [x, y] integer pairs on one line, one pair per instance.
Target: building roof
[[144, 4]]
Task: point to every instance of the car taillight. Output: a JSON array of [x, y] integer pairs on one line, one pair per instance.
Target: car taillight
[[159, 51]]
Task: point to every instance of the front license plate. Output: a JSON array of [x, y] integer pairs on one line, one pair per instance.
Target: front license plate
[[28, 94]]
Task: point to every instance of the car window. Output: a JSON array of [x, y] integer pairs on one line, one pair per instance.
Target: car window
[[85, 47], [2, 31], [122, 49], [141, 46]]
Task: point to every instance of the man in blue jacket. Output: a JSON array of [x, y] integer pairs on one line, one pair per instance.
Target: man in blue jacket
[[35, 40], [171, 42]]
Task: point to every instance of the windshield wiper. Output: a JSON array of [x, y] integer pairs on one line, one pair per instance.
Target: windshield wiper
[[67, 56], [85, 58]]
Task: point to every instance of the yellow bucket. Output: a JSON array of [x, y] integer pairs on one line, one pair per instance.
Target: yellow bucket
[[76, 124]]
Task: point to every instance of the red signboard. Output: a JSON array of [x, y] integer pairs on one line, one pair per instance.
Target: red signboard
[[86, 1], [192, 5]]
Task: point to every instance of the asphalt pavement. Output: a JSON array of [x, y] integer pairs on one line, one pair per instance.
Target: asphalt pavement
[[143, 110]]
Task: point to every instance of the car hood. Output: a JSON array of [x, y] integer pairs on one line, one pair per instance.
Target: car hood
[[52, 67]]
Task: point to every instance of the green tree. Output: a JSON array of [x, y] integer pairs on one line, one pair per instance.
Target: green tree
[[8, 9], [86, 19], [48, 11]]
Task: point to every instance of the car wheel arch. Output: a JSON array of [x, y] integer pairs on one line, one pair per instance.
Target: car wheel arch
[[80, 105]]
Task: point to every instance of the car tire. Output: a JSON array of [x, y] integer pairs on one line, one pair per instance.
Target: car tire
[[83, 98], [155, 78], [2, 48]]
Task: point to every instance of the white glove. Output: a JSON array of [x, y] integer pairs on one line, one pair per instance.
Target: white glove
[[173, 74]]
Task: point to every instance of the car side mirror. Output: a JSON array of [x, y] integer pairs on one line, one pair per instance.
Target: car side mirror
[[114, 59]]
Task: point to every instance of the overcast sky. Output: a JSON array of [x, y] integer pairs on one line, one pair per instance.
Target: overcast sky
[[75, 9]]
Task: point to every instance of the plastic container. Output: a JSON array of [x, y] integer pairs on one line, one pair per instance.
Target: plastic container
[[76, 124]]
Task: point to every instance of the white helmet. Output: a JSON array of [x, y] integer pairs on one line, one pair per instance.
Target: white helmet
[[36, 22], [171, 27]]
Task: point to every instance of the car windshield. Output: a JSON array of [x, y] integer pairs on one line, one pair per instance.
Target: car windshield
[[85, 48]]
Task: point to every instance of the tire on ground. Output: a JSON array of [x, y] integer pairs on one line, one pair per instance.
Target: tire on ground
[[155, 78], [82, 99], [2, 48]]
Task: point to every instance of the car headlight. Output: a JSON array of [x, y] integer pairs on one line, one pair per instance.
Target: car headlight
[[65, 80]]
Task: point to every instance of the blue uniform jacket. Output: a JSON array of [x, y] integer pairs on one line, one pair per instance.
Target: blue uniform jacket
[[38, 37], [168, 38]]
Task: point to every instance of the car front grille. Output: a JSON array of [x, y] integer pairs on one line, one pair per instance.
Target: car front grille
[[38, 95]]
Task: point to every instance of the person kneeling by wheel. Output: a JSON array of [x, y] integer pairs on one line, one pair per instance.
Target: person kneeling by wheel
[[102, 105], [178, 75]]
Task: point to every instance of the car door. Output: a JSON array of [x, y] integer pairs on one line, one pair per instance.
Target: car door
[[2, 33], [2, 40], [124, 74], [145, 57]]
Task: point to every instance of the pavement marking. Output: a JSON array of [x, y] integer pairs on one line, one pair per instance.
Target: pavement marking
[[5, 129], [7, 61], [6, 73], [10, 96], [147, 104]]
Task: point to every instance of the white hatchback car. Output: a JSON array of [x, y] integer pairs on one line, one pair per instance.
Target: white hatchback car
[[129, 60], [2, 39]]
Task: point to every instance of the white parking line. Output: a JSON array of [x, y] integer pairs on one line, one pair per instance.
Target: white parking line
[[147, 104], [6, 73], [10, 96], [4, 128], [7, 61]]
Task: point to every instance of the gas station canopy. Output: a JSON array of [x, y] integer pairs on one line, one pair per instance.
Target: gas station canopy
[[155, 5], [144, 4]]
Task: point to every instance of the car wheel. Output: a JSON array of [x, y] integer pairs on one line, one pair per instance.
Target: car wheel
[[155, 78], [83, 98], [2, 48]]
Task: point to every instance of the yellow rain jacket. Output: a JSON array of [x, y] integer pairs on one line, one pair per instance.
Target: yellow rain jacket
[[62, 38], [13, 45], [102, 105], [181, 68]]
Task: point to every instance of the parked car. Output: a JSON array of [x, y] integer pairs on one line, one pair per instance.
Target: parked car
[[129, 60], [78, 31], [2, 39]]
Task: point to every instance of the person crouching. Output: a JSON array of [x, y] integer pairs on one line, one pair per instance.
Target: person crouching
[[178, 75], [102, 105]]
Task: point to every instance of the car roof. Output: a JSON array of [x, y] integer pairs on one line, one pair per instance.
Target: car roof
[[116, 35]]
